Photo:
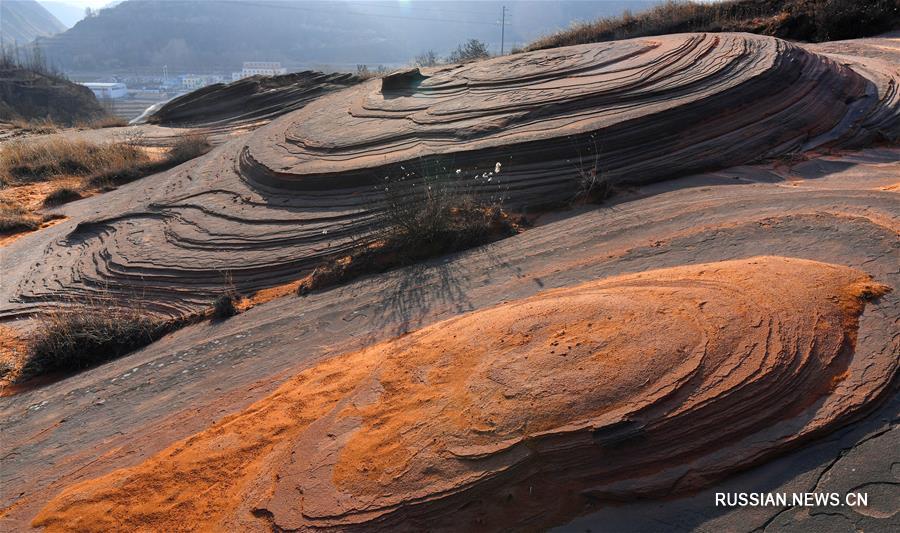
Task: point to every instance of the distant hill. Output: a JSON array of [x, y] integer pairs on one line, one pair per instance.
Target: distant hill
[[190, 35], [21, 21], [32, 95], [68, 14]]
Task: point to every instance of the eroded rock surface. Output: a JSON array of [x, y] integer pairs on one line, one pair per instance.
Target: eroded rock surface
[[249, 100], [840, 209], [648, 383], [640, 109], [267, 208]]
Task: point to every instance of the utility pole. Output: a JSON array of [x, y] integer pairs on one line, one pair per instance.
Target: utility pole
[[502, 29]]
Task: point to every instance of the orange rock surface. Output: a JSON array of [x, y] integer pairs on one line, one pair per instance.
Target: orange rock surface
[[647, 383]]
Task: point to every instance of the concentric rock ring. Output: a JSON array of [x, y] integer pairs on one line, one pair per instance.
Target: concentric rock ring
[[641, 384], [645, 108]]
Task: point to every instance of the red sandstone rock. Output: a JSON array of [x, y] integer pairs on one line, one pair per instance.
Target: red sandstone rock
[[649, 383]]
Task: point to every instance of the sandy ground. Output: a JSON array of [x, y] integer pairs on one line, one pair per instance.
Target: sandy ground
[[528, 392]]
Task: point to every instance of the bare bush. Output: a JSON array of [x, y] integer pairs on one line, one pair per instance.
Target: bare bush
[[364, 73], [592, 183], [73, 338], [471, 50], [427, 59], [188, 147], [434, 209], [426, 213]]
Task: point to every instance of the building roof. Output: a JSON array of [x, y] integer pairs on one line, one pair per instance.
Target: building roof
[[104, 85]]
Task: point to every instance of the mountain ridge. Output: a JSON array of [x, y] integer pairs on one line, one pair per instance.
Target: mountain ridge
[[152, 33], [21, 21]]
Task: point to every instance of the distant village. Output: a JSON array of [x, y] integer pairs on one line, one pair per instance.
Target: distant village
[[131, 96]]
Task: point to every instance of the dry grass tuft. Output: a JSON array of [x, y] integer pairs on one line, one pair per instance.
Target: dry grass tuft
[[435, 215], [30, 161], [592, 185], [79, 168], [61, 195], [14, 218], [188, 147], [225, 306], [86, 332], [106, 121], [72, 339], [41, 125]]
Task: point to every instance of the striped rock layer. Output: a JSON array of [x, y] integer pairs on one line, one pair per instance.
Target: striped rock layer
[[266, 208], [248, 101], [643, 384]]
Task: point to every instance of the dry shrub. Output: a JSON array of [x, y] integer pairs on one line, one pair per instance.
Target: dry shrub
[[225, 306], [363, 73], [435, 215], [592, 184], [188, 147], [80, 336], [14, 218], [425, 215], [30, 161], [39, 125], [61, 195], [471, 50], [106, 121]]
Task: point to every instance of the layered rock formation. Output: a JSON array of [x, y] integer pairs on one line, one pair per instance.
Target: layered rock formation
[[649, 383], [249, 100], [638, 110], [840, 209], [265, 209]]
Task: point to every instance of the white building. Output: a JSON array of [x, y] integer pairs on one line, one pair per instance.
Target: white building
[[105, 91], [191, 81], [259, 68], [196, 81]]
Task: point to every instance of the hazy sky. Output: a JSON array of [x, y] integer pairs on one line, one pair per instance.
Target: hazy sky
[[85, 3]]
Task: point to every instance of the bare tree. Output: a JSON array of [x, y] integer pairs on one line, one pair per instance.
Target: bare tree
[[427, 59], [470, 51]]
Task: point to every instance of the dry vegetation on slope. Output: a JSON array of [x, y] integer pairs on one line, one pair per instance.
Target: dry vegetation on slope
[[34, 95], [36, 174], [804, 20]]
